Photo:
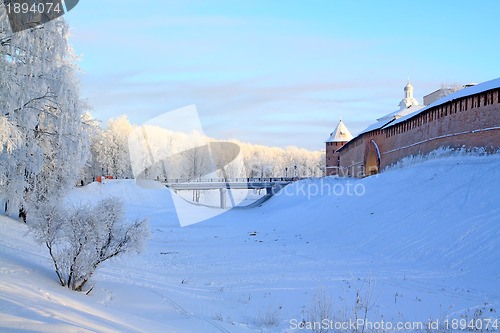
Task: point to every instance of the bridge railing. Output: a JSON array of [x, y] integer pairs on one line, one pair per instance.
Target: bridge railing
[[233, 180]]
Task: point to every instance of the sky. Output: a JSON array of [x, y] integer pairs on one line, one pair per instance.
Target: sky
[[277, 73]]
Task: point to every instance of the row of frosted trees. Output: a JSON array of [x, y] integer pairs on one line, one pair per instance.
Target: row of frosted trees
[[111, 156]]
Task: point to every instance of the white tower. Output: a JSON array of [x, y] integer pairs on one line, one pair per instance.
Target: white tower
[[408, 100]]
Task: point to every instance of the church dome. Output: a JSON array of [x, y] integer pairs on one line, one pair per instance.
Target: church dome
[[408, 86], [408, 99]]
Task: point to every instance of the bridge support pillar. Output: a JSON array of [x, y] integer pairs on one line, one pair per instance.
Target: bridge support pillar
[[222, 192], [274, 189], [269, 191]]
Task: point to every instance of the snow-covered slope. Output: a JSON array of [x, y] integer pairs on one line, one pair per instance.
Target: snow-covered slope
[[427, 233]]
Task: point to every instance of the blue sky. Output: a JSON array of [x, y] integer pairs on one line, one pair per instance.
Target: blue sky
[[277, 73]]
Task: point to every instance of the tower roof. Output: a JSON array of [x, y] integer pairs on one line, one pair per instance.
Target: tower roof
[[340, 134], [408, 99], [408, 86]]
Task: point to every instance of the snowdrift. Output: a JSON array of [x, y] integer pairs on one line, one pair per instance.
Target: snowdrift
[[441, 211]]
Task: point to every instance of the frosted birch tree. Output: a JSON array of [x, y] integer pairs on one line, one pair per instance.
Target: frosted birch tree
[[39, 98], [109, 147], [116, 145]]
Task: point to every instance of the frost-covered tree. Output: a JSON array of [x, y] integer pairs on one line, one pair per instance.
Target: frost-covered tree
[[39, 99], [82, 238], [110, 153], [93, 167], [116, 144], [10, 136]]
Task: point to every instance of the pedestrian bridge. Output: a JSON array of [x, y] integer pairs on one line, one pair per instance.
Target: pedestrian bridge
[[271, 185]]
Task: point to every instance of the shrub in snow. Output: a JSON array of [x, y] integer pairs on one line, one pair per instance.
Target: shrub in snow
[[366, 298], [80, 239], [320, 309], [269, 318], [323, 312]]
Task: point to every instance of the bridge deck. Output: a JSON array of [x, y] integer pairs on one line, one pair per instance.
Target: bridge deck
[[271, 185], [227, 185]]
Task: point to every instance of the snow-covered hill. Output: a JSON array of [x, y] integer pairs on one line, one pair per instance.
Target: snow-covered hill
[[427, 234]]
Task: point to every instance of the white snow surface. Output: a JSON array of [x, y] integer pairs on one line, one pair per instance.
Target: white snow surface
[[427, 233]]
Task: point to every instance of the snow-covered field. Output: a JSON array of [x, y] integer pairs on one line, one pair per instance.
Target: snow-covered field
[[426, 235]]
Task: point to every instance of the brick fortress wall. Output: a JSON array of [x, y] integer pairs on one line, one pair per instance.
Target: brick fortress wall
[[470, 122]]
